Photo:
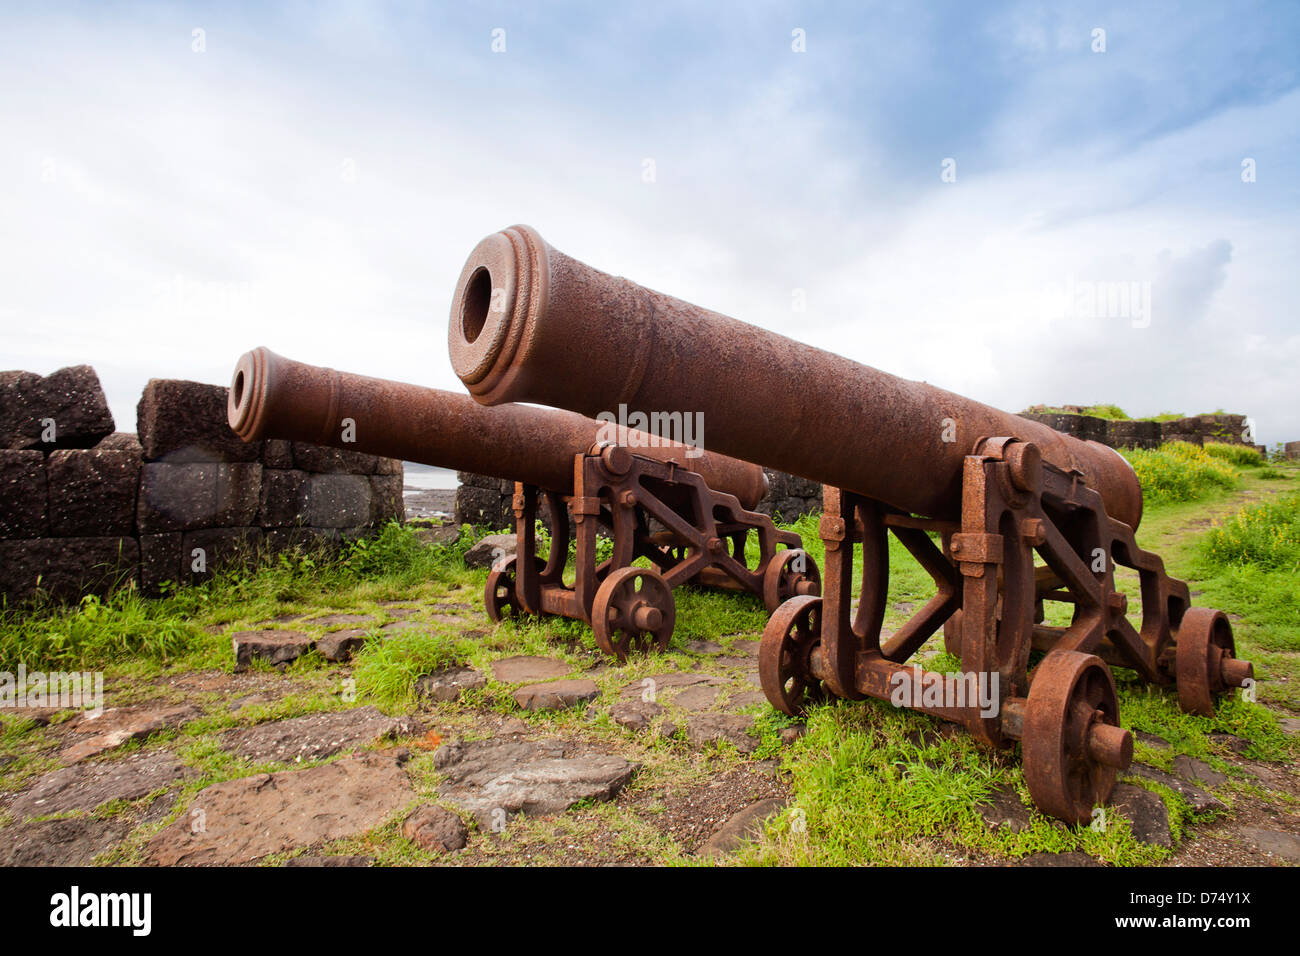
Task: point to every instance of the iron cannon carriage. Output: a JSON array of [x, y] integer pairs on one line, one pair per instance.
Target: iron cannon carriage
[[1006, 515], [701, 502]]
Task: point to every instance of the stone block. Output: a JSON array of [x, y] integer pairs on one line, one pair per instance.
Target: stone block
[[283, 498], [66, 568], [207, 549], [337, 501], [277, 453], [320, 459], [160, 560], [23, 498], [92, 491], [71, 399], [386, 502], [182, 421]]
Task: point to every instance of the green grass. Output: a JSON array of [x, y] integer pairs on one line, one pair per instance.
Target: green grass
[[1265, 536], [127, 627]]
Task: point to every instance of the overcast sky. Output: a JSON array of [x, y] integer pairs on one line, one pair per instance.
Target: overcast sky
[[944, 188]]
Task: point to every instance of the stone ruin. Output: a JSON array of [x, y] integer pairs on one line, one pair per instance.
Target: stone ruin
[[1143, 433], [83, 506]]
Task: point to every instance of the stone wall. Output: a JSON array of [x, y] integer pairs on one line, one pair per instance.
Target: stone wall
[[1196, 430], [82, 506], [487, 501]]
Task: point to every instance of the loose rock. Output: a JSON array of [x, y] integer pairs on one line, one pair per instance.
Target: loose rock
[[743, 825], [556, 695], [435, 829], [1200, 800], [704, 729], [1147, 814], [449, 684], [635, 715], [493, 779], [491, 549], [277, 647], [339, 646]]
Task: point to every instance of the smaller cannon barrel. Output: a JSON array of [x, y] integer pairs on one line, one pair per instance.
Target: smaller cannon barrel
[[275, 397]]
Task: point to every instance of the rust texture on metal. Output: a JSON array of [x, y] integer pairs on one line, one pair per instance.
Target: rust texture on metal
[[274, 397], [1007, 516], [530, 324], [701, 502]]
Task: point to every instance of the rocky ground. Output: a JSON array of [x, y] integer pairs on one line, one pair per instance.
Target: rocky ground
[[526, 746], [555, 758]]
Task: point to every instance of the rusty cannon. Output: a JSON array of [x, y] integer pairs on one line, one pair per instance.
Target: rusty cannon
[[1006, 515], [702, 501]]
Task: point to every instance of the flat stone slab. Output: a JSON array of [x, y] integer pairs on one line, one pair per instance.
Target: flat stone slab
[[241, 821], [435, 829], [704, 729], [743, 825], [1198, 771], [1147, 814], [339, 646], [703, 647], [1200, 800], [493, 779], [1279, 843], [635, 715], [746, 699], [1290, 725], [341, 620], [655, 684], [85, 786], [68, 842], [699, 697], [556, 695], [315, 736], [519, 670], [92, 735], [449, 684], [1004, 810], [1151, 740], [277, 647]]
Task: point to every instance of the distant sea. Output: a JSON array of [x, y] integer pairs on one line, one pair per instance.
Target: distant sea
[[426, 477]]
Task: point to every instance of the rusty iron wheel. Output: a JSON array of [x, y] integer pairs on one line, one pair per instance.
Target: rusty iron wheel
[[781, 582], [633, 609], [784, 671], [1073, 745], [499, 594], [1204, 643]]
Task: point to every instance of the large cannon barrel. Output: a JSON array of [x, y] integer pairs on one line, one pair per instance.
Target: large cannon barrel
[[274, 397], [529, 323]]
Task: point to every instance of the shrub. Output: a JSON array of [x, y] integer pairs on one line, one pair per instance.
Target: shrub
[[1179, 471], [1240, 455], [1265, 535]]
